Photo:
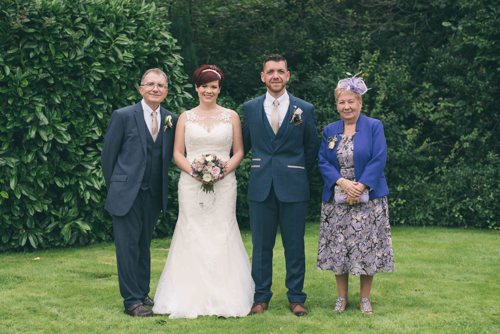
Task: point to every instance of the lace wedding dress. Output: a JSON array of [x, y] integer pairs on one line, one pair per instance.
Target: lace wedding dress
[[207, 270]]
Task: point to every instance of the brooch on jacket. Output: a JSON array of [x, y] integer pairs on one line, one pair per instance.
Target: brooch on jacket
[[168, 123], [332, 141], [297, 116]]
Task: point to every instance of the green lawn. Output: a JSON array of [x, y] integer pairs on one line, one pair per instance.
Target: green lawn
[[446, 281]]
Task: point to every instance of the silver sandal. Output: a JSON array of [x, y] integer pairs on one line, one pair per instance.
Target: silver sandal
[[340, 305], [365, 306]]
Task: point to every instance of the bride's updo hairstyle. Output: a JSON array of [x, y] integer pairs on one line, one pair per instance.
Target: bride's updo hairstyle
[[207, 73]]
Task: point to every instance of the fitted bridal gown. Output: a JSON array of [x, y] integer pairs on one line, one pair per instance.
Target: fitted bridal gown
[[207, 270]]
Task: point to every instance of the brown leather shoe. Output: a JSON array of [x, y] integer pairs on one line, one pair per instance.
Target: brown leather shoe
[[138, 310], [298, 309], [148, 302], [259, 308]]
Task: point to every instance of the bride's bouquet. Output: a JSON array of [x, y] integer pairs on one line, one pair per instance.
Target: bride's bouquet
[[209, 168]]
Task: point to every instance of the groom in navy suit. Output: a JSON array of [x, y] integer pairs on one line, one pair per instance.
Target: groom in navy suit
[[280, 129], [135, 159]]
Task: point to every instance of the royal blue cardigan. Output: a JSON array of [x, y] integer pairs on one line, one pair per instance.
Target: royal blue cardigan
[[370, 155]]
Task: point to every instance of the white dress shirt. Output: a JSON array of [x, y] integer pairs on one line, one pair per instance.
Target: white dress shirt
[[147, 116], [284, 101]]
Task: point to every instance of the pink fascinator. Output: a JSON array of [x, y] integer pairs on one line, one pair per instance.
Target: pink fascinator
[[353, 83]]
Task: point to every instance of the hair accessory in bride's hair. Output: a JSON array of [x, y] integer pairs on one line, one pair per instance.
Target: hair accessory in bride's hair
[[210, 70], [207, 73], [353, 83]]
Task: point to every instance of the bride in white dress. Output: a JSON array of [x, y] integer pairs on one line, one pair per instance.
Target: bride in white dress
[[207, 270]]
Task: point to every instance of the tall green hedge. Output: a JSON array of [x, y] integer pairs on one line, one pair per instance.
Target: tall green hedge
[[64, 66]]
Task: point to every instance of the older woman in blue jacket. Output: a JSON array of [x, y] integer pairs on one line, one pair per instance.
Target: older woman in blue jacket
[[355, 235]]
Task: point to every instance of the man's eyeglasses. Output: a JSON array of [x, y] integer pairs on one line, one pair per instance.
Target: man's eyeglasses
[[152, 85]]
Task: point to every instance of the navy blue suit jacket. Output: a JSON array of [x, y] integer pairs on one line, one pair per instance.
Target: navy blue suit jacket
[[370, 155], [280, 160], [124, 157]]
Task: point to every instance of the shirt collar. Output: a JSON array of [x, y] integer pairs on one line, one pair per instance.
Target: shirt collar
[[268, 101], [147, 109]]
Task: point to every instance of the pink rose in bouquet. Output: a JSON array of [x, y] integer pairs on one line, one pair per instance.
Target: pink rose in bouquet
[[209, 168]]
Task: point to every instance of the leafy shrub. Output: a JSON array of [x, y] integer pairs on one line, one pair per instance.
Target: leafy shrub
[[66, 65], [432, 67], [462, 195]]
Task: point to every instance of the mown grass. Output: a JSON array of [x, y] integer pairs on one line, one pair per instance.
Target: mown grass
[[446, 281]]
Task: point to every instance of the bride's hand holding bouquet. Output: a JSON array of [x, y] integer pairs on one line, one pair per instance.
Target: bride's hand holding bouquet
[[208, 169]]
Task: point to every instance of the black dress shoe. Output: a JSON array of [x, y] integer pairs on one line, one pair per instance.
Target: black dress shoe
[[138, 310], [148, 302]]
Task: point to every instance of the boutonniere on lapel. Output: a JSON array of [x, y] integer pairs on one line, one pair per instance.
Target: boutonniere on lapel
[[167, 123], [332, 141], [297, 116]]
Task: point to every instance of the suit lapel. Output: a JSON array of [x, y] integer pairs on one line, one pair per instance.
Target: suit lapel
[[163, 134], [286, 128], [263, 121], [166, 134], [139, 120]]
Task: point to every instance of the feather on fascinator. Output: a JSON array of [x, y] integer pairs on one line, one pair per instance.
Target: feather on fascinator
[[353, 83]]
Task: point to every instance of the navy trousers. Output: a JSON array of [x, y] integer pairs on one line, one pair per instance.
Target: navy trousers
[[133, 233], [265, 217]]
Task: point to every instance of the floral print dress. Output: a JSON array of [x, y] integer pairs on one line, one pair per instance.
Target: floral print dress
[[354, 239]]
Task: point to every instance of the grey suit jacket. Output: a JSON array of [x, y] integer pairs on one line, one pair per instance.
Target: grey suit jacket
[[124, 157]]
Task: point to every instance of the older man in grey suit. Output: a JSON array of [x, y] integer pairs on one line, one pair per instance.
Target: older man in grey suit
[[135, 159]]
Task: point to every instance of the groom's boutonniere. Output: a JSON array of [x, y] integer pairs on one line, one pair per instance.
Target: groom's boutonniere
[[168, 123], [297, 116], [332, 141]]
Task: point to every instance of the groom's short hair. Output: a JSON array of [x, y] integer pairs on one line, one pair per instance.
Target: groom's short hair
[[274, 57]]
